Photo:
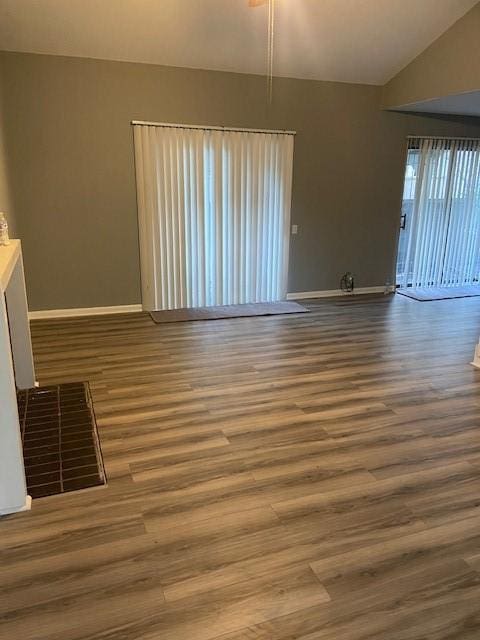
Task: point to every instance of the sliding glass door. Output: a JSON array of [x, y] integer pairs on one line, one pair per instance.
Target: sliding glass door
[[439, 243], [214, 215]]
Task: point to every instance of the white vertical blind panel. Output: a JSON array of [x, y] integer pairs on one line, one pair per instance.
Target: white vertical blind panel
[[443, 231], [214, 215]]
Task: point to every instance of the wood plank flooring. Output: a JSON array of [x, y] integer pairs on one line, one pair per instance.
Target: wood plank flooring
[[310, 477]]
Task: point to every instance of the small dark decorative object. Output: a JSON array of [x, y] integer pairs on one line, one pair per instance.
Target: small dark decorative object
[[347, 283]]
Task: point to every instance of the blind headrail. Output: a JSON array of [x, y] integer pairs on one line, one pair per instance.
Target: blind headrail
[[442, 138], [208, 128]]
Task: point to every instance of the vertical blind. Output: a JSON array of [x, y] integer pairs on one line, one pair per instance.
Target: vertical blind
[[441, 202], [214, 215]]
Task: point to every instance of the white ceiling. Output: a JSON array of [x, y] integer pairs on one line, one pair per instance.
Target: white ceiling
[[366, 41], [464, 104]]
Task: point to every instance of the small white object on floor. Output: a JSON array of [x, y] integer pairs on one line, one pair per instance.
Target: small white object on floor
[[476, 357]]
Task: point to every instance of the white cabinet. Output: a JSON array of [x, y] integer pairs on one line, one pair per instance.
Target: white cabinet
[[16, 370]]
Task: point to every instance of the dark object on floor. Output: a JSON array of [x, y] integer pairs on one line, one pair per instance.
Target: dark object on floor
[[425, 294], [228, 311], [60, 439], [347, 282]]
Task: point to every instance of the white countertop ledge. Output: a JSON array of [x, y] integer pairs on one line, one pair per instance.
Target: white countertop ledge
[[8, 258]]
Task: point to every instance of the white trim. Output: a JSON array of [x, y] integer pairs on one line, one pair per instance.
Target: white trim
[[84, 311], [442, 137], [330, 293], [24, 507], [208, 128], [137, 308]]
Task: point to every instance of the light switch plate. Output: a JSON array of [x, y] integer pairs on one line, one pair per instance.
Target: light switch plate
[[294, 229]]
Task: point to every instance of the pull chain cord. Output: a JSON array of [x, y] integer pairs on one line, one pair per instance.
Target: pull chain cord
[[271, 23]]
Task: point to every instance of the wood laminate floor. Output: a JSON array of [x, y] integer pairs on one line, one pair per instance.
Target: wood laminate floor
[[310, 477]]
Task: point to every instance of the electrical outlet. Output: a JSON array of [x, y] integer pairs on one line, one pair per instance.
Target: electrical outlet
[[294, 229]]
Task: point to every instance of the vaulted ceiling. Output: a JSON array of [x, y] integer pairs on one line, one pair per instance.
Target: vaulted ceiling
[[363, 41]]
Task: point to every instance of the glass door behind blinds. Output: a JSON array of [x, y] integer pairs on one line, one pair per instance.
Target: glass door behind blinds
[[439, 243]]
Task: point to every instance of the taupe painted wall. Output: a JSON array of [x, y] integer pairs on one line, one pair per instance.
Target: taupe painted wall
[[448, 66], [6, 204], [70, 144]]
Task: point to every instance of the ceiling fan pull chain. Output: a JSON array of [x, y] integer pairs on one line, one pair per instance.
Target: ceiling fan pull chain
[[271, 24]]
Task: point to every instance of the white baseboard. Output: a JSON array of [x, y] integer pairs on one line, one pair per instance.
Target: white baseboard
[[83, 311], [330, 293], [136, 308], [24, 507]]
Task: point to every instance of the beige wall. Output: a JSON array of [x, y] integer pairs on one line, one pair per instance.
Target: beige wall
[[450, 65], [6, 204], [70, 144]]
